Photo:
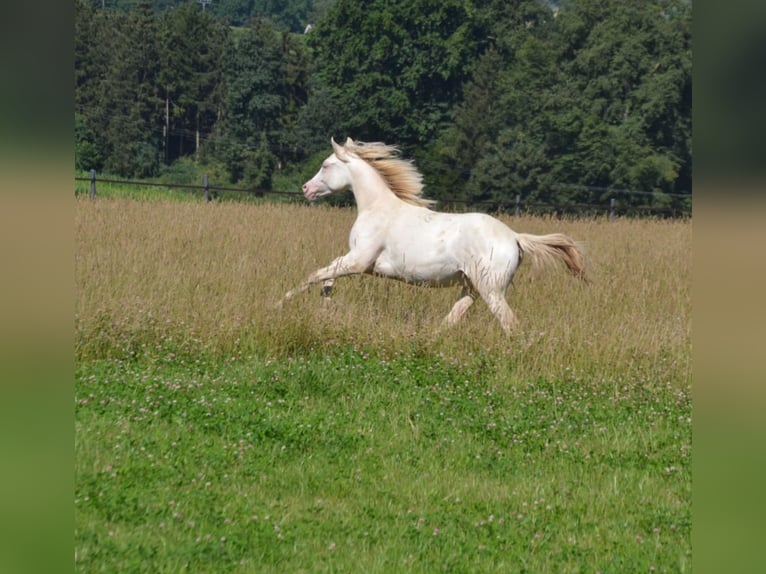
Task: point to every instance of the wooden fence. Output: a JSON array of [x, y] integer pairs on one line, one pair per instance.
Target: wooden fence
[[612, 208]]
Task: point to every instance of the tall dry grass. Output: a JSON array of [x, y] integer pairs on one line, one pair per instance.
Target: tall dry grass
[[164, 278]]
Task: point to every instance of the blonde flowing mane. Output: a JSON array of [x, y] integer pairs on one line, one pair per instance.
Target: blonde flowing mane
[[401, 175]]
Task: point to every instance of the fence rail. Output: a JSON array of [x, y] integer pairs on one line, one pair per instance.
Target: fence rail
[[612, 208]]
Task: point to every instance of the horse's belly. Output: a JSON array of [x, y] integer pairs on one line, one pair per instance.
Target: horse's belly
[[436, 274]]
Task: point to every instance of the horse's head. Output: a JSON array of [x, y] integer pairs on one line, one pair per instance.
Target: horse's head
[[332, 177]]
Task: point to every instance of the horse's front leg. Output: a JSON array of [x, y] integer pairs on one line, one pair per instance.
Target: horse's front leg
[[326, 291], [349, 264]]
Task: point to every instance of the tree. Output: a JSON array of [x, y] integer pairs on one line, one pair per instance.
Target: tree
[[190, 78], [394, 69], [86, 152], [496, 128], [289, 15], [254, 96], [128, 104], [632, 67], [490, 97], [259, 165], [234, 12], [597, 97], [450, 159], [97, 39]]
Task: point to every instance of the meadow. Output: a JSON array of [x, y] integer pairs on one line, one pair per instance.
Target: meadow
[[217, 434]]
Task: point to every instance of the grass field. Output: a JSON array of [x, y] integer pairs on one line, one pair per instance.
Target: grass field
[[215, 434]]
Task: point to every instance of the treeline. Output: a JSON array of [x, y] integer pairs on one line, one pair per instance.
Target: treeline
[[290, 15], [558, 102]]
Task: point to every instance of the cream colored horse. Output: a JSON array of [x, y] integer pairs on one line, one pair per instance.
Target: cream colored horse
[[395, 234]]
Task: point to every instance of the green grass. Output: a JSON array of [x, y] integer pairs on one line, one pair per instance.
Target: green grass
[[216, 434], [355, 462]]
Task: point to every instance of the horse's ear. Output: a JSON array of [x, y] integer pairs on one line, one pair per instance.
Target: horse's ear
[[340, 152], [349, 142]]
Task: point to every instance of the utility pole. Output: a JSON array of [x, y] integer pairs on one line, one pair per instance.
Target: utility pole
[[204, 3]]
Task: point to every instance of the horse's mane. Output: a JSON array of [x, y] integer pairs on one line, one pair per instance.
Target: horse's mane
[[401, 175]]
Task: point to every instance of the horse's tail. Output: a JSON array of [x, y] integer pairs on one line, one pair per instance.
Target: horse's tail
[[554, 247]]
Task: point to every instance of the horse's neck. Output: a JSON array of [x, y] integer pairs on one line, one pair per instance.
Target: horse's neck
[[369, 187]]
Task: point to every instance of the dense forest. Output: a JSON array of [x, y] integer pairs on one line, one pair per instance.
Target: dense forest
[[559, 102]]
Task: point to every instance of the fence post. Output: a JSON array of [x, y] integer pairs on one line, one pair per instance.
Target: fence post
[[517, 208], [93, 184], [206, 185], [611, 209]]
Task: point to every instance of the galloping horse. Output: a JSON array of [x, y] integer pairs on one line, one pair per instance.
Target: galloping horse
[[396, 235]]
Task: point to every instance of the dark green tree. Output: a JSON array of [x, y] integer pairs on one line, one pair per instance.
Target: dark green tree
[[494, 126], [129, 103], [94, 43], [233, 12], [394, 69], [259, 165], [317, 121], [449, 161], [289, 141], [597, 96], [289, 15], [254, 96], [190, 78], [87, 155], [492, 98], [631, 65]]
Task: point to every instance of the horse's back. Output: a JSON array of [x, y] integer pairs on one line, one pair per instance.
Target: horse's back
[[424, 243], [486, 225]]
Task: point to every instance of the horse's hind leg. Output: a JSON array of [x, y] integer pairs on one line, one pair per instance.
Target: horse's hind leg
[[496, 302], [466, 299]]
